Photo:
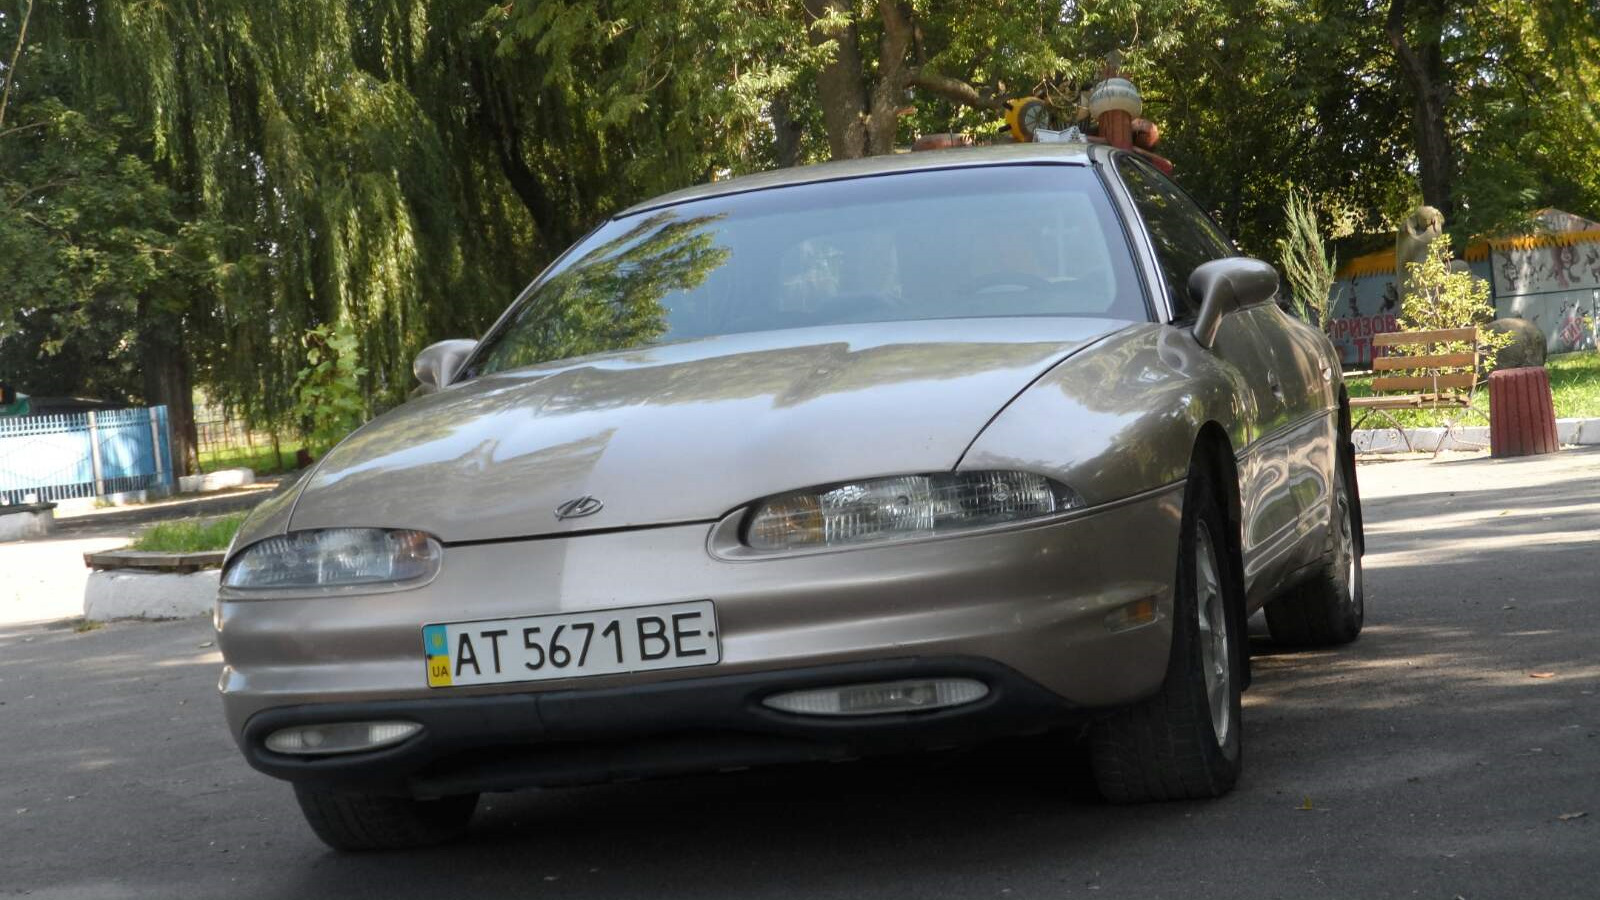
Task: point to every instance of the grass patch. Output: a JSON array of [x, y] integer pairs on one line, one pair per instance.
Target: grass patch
[[260, 459], [189, 535], [84, 626], [1574, 386]]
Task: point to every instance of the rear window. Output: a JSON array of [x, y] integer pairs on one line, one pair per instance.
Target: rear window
[[1038, 240]]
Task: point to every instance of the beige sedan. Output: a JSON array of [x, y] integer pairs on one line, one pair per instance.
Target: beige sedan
[[857, 458]]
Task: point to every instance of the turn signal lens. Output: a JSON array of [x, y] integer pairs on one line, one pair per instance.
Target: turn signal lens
[[881, 698], [339, 737], [904, 507], [1132, 615]]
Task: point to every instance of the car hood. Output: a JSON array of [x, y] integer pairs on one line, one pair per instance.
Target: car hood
[[683, 432]]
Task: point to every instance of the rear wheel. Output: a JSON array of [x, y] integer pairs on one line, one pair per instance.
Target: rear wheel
[[1185, 742], [1328, 609], [372, 822]]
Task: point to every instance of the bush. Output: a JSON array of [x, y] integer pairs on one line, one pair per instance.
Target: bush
[[1439, 296], [1306, 262], [328, 389]]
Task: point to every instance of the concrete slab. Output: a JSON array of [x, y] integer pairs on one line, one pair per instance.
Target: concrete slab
[[28, 520], [129, 594], [220, 480]]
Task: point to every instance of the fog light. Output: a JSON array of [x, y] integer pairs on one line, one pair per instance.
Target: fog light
[[883, 697], [339, 737]]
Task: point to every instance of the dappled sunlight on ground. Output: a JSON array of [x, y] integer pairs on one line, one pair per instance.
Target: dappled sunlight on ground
[[1422, 760]]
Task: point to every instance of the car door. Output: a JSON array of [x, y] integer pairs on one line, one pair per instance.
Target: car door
[[1183, 237], [1304, 364]]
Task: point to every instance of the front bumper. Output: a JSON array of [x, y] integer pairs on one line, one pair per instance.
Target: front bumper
[[1031, 602], [555, 738]]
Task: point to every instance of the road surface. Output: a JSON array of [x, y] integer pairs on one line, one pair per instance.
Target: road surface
[[1434, 758]]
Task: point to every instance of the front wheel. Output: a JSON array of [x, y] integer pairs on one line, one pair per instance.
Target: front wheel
[[1185, 742], [349, 821]]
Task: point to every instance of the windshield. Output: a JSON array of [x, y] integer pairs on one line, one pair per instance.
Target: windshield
[[1038, 240]]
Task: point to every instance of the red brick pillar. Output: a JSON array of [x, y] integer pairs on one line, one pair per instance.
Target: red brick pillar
[[1522, 417]]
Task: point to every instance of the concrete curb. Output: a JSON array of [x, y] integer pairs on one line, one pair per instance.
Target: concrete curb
[[155, 560], [132, 594], [27, 520], [1576, 432], [220, 480]]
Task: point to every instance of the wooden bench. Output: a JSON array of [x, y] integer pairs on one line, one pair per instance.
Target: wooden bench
[[1437, 378]]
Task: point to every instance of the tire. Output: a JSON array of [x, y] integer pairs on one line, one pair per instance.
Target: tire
[[1330, 607], [371, 822], [1185, 742]]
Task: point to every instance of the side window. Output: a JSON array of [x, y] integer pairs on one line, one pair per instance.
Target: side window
[[1183, 234]]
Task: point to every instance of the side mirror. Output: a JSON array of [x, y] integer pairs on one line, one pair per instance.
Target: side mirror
[[437, 363], [1225, 285]]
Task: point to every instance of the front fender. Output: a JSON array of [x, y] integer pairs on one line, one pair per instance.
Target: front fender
[[1121, 417]]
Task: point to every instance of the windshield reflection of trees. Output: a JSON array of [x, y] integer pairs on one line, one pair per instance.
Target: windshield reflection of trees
[[611, 300]]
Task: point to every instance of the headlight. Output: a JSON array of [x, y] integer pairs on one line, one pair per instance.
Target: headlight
[[335, 557], [906, 506]]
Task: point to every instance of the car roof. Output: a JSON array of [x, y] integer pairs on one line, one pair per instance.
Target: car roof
[[955, 158]]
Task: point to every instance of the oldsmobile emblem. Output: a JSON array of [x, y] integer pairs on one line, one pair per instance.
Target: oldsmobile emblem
[[578, 508]]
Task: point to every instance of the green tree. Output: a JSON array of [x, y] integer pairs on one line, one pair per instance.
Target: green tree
[[1441, 295], [1306, 261], [93, 260]]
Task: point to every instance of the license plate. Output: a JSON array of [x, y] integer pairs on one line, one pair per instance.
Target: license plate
[[572, 645]]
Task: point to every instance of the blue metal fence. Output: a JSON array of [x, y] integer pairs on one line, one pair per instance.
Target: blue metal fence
[[84, 454]]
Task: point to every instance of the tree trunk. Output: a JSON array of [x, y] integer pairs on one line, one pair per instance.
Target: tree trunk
[[166, 382], [883, 120], [841, 85], [497, 116], [785, 132], [1423, 69]]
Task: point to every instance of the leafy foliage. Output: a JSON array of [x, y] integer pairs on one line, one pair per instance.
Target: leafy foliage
[[203, 183], [1440, 295], [1307, 263], [328, 390]]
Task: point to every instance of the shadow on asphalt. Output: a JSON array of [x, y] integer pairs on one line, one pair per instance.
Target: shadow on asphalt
[[1425, 758]]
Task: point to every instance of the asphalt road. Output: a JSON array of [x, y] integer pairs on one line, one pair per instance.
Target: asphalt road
[[1426, 760]]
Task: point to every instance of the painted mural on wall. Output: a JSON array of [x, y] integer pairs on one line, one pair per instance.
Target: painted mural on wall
[[1365, 306], [1557, 288], [1551, 278]]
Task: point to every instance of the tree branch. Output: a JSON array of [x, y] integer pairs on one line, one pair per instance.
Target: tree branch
[[11, 70], [16, 128], [956, 90]]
